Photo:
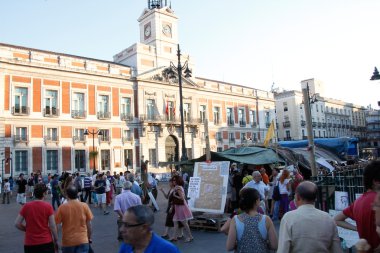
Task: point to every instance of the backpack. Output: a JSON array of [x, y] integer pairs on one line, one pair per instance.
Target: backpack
[[276, 193]]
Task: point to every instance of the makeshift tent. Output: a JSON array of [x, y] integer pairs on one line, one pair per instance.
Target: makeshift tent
[[246, 155]]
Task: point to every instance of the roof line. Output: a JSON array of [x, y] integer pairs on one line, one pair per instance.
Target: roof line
[[239, 85], [62, 54]]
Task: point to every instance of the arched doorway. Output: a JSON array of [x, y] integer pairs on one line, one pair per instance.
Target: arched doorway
[[171, 149]]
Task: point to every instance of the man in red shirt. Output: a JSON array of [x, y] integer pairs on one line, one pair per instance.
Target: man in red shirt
[[361, 210]]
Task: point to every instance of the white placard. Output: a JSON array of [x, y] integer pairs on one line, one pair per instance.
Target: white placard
[[349, 236], [358, 195], [194, 187], [341, 200], [153, 201]]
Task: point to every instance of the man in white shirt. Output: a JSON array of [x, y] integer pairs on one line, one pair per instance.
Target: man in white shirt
[[262, 188], [307, 229]]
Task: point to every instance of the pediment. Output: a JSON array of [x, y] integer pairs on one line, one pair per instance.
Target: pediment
[[160, 74]]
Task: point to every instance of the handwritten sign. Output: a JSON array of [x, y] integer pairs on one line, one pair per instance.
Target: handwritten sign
[[194, 187], [349, 236], [341, 200]]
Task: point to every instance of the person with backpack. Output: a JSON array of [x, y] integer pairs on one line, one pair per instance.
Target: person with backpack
[[251, 231]]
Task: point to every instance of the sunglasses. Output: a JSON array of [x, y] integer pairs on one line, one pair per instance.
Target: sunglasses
[[127, 225]]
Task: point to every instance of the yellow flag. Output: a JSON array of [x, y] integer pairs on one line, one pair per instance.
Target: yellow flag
[[270, 134]]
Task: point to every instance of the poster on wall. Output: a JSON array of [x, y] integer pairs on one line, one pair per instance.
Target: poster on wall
[[208, 187], [341, 200]]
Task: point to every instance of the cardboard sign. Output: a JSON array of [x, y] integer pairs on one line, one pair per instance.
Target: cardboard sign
[[349, 236], [341, 200], [208, 188]]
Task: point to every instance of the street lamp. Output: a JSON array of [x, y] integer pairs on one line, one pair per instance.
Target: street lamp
[[375, 75], [93, 133], [307, 102], [171, 74]]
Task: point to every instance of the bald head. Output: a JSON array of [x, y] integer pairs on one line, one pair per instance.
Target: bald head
[[307, 191]]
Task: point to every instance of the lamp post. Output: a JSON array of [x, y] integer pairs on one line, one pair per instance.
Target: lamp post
[[93, 133], [171, 74], [309, 126]]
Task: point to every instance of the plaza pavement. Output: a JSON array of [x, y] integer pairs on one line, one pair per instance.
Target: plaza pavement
[[105, 232]]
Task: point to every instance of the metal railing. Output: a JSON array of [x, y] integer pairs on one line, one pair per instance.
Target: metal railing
[[80, 138], [286, 124], [78, 114], [230, 122], [20, 138], [51, 138], [242, 123], [51, 112], [20, 110], [126, 116], [104, 115]]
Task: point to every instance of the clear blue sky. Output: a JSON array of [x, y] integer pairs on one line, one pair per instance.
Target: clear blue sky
[[248, 42]]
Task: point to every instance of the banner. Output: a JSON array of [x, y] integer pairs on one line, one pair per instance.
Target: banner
[[270, 134]]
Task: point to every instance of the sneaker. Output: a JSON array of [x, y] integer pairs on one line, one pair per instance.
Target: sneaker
[[106, 212]]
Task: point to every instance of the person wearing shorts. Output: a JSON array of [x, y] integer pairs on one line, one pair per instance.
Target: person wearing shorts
[[100, 189], [21, 182]]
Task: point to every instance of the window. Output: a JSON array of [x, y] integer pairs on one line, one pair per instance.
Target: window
[[202, 113], [216, 115], [243, 137], [316, 107], [105, 161], [79, 134], [52, 161], [303, 134], [21, 101], [21, 161], [103, 107], [150, 104], [21, 134], [80, 160], [170, 110], [189, 153], [231, 137], [285, 105], [125, 110], [267, 118], [127, 135], [252, 117], [288, 137], [241, 115], [51, 134], [153, 156], [128, 158], [105, 137], [230, 117], [187, 112], [51, 97], [219, 136], [219, 149], [78, 105]]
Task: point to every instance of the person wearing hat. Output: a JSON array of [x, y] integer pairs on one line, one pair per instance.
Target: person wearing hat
[[54, 186], [21, 182]]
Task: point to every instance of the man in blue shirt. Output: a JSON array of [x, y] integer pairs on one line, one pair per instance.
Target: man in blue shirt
[[54, 191], [137, 233]]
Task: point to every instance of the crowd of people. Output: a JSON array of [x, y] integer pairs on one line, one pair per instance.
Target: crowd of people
[[266, 195]]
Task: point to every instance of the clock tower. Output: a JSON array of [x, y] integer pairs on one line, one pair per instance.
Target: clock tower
[[158, 39]]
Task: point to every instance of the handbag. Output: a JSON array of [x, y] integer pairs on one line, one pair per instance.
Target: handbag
[[177, 201], [276, 193]]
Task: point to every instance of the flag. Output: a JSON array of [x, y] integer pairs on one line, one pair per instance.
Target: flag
[[167, 108], [270, 134]]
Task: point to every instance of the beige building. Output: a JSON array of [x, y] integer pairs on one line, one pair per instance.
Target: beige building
[[52, 100], [330, 117]]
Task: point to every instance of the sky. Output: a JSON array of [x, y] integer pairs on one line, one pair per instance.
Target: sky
[[253, 43]]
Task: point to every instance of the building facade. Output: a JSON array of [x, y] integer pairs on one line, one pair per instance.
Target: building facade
[[62, 112], [330, 117], [371, 145]]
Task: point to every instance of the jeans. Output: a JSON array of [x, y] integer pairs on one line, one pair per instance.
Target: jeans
[[82, 248], [276, 209], [88, 195], [55, 199]]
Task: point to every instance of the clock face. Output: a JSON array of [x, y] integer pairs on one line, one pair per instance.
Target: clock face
[[167, 30], [147, 31]]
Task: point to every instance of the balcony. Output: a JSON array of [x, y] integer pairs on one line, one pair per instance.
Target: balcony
[[319, 124], [242, 123], [286, 124], [219, 139], [20, 110], [127, 139], [104, 138], [329, 124], [51, 112], [324, 125], [126, 117], [339, 125], [231, 140], [254, 124], [50, 139], [314, 124], [104, 115], [78, 114], [230, 122], [216, 122], [150, 117], [79, 139], [334, 125], [303, 122], [20, 138]]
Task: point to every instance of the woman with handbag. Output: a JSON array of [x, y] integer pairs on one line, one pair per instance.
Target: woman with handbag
[[182, 212]]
